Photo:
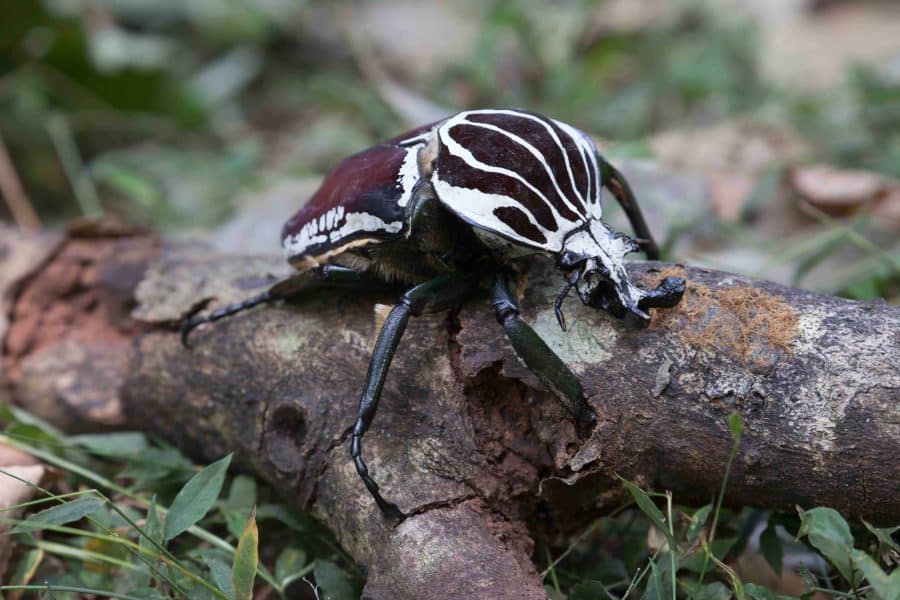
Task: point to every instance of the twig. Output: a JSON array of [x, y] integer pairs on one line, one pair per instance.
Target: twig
[[16, 199]]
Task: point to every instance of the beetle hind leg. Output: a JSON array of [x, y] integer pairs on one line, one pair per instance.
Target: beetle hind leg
[[431, 296], [537, 356], [616, 183]]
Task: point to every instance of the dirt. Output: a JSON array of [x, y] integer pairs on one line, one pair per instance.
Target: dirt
[[82, 293]]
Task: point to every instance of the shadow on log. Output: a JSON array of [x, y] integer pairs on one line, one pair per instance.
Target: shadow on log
[[466, 440]]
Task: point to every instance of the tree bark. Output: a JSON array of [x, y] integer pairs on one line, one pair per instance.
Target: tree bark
[[466, 440]]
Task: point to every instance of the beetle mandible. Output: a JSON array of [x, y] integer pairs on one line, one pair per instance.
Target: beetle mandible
[[455, 204]]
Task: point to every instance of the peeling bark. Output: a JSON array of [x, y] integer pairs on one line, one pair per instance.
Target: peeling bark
[[466, 440]]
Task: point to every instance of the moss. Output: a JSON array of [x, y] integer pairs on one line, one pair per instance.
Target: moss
[[745, 322]]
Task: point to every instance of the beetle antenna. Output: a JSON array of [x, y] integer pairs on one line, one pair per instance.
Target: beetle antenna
[[557, 306]]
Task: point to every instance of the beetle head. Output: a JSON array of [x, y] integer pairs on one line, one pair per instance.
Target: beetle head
[[593, 259]]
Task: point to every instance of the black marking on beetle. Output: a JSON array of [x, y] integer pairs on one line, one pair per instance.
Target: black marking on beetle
[[460, 174], [518, 220], [556, 148], [546, 172]]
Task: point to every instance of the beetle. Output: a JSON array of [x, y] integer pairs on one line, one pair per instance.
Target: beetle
[[455, 206]]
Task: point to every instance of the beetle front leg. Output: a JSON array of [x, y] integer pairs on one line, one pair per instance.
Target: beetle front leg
[[616, 183], [334, 276], [536, 354], [434, 295]]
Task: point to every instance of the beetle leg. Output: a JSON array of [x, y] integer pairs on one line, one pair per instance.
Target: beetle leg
[[536, 355], [431, 296], [616, 183], [291, 287]]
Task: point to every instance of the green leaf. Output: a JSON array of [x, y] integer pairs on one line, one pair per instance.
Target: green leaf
[[152, 527], [147, 593], [283, 515], [60, 514], [289, 565], [590, 590], [713, 591], [246, 559], [220, 572], [241, 500], [123, 444], [698, 520], [196, 498], [650, 509], [26, 418], [656, 584], [25, 570], [771, 548], [32, 434], [758, 592], [553, 594], [884, 535], [155, 463], [886, 586], [334, 581], [737, 426], [829, 533]]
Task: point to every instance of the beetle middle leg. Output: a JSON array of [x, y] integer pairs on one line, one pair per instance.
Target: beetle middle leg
[[616, 183], [432, 296], [536, 354], [334, 276]]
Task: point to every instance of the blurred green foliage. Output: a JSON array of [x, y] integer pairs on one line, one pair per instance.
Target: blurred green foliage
[[167, 111], [174, 107]]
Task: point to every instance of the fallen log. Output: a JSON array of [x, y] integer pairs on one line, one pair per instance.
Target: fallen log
[[466, 440]]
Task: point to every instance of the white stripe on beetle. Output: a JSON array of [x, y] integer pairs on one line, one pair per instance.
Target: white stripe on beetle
[[466, 156], [537, 153], [340, 225]]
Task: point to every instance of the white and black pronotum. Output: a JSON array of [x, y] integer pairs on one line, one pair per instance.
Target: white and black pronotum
[[460, 206]]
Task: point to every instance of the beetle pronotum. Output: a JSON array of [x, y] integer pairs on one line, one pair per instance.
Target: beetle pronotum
[[449, 206]]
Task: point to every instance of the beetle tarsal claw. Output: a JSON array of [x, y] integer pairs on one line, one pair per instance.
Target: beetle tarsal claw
[[560, 317], [185, 327]]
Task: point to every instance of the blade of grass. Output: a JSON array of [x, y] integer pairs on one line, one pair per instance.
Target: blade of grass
[[672, 550], [39, 500], [553, 579], [83, 555], [854, 236], [581, 536], [164, 555], [736, 583], [246, 561], [636, 580], [26, 567], [17, 201], [68, 588], [103, 482], [737, 431], [67, 149]]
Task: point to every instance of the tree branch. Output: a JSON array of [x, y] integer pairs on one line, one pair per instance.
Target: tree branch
[[466, 440]]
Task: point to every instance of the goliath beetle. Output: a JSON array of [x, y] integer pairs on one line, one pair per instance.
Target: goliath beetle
[[456, 204]]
